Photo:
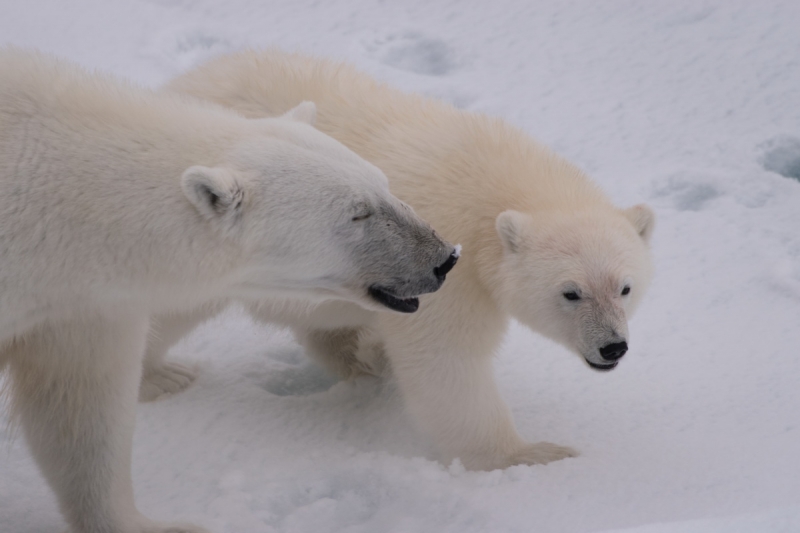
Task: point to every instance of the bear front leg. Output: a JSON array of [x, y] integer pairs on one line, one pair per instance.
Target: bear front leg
[[161, 378], [347, 353], [444, 371], [337, 334], [74, 390]]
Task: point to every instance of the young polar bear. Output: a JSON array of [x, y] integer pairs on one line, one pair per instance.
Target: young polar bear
[[120, 202], [541, 243]]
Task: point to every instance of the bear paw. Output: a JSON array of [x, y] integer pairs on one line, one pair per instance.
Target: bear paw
[[370, 359], [541, 453], [153, 527], [165, 380], [346, 352]]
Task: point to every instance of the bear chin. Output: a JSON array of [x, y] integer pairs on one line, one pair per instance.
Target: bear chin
[[602, 368], [402, 305]]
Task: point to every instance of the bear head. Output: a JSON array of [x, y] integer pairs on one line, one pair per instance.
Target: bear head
[[314, 221], [577, 277]]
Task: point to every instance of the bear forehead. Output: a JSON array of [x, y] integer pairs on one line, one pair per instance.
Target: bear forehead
[[597, 259], [594, 274], [588, 241]]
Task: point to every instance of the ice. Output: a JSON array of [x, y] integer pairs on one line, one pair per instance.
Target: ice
[[691, 106]]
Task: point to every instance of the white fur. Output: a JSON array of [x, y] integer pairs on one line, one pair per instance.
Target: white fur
[[532, 227], [119, 202]]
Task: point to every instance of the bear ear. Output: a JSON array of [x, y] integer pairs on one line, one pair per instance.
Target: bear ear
[[510, 226], [643, 219], [216, 192], [303, 112]]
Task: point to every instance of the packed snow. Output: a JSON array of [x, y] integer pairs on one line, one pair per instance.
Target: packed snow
[[692, 106]]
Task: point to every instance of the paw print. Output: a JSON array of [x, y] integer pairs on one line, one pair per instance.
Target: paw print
[[414, 52], [782, 156]]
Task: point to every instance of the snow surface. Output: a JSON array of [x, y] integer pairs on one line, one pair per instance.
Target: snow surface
[[690, 105]]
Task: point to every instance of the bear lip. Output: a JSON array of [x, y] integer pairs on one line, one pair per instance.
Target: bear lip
[[601, 368], [402, 305]]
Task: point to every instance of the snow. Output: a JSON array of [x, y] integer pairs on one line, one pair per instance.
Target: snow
[[783, 520], [692, 106]]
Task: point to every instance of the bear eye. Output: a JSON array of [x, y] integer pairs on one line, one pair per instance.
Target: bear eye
[[626, 290], [362, 217], [571, 296]]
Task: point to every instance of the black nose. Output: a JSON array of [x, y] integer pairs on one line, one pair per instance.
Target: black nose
[[612, 352], [441, 271]]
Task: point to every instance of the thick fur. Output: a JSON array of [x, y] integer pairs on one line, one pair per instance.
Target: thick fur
[[118, 203], [534, 230]]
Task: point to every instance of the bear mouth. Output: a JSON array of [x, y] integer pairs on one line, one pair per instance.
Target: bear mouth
[[602, 367], [402, 305]]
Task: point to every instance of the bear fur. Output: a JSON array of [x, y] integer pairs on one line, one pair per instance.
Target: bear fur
[[119, 203], [541, 244]]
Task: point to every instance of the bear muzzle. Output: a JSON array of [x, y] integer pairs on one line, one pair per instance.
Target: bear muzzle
[[613, 351], [441, 271], [610, 352], [388, 296]]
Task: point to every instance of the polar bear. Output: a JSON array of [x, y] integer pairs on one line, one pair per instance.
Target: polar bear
[[541, 244], [119, 203]]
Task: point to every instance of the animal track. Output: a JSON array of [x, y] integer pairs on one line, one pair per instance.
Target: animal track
[[414, 52], [688, 193], [782, 156]]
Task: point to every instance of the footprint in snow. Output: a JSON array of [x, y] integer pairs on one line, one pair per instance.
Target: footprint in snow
[[688, 193], [414, 52], [782, 156]]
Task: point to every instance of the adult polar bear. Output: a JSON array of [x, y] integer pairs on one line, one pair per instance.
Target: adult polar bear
[[120, 202], [541, 244]]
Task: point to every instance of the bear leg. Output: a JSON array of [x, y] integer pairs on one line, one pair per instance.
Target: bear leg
[[346, 352], [74, 389], [442, 359], [161, 378], [337, 334]]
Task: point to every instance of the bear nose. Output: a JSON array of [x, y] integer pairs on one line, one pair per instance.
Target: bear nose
[[612, 352], [441, 271]]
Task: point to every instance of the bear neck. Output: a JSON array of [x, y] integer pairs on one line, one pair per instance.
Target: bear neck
[[97, 189]]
